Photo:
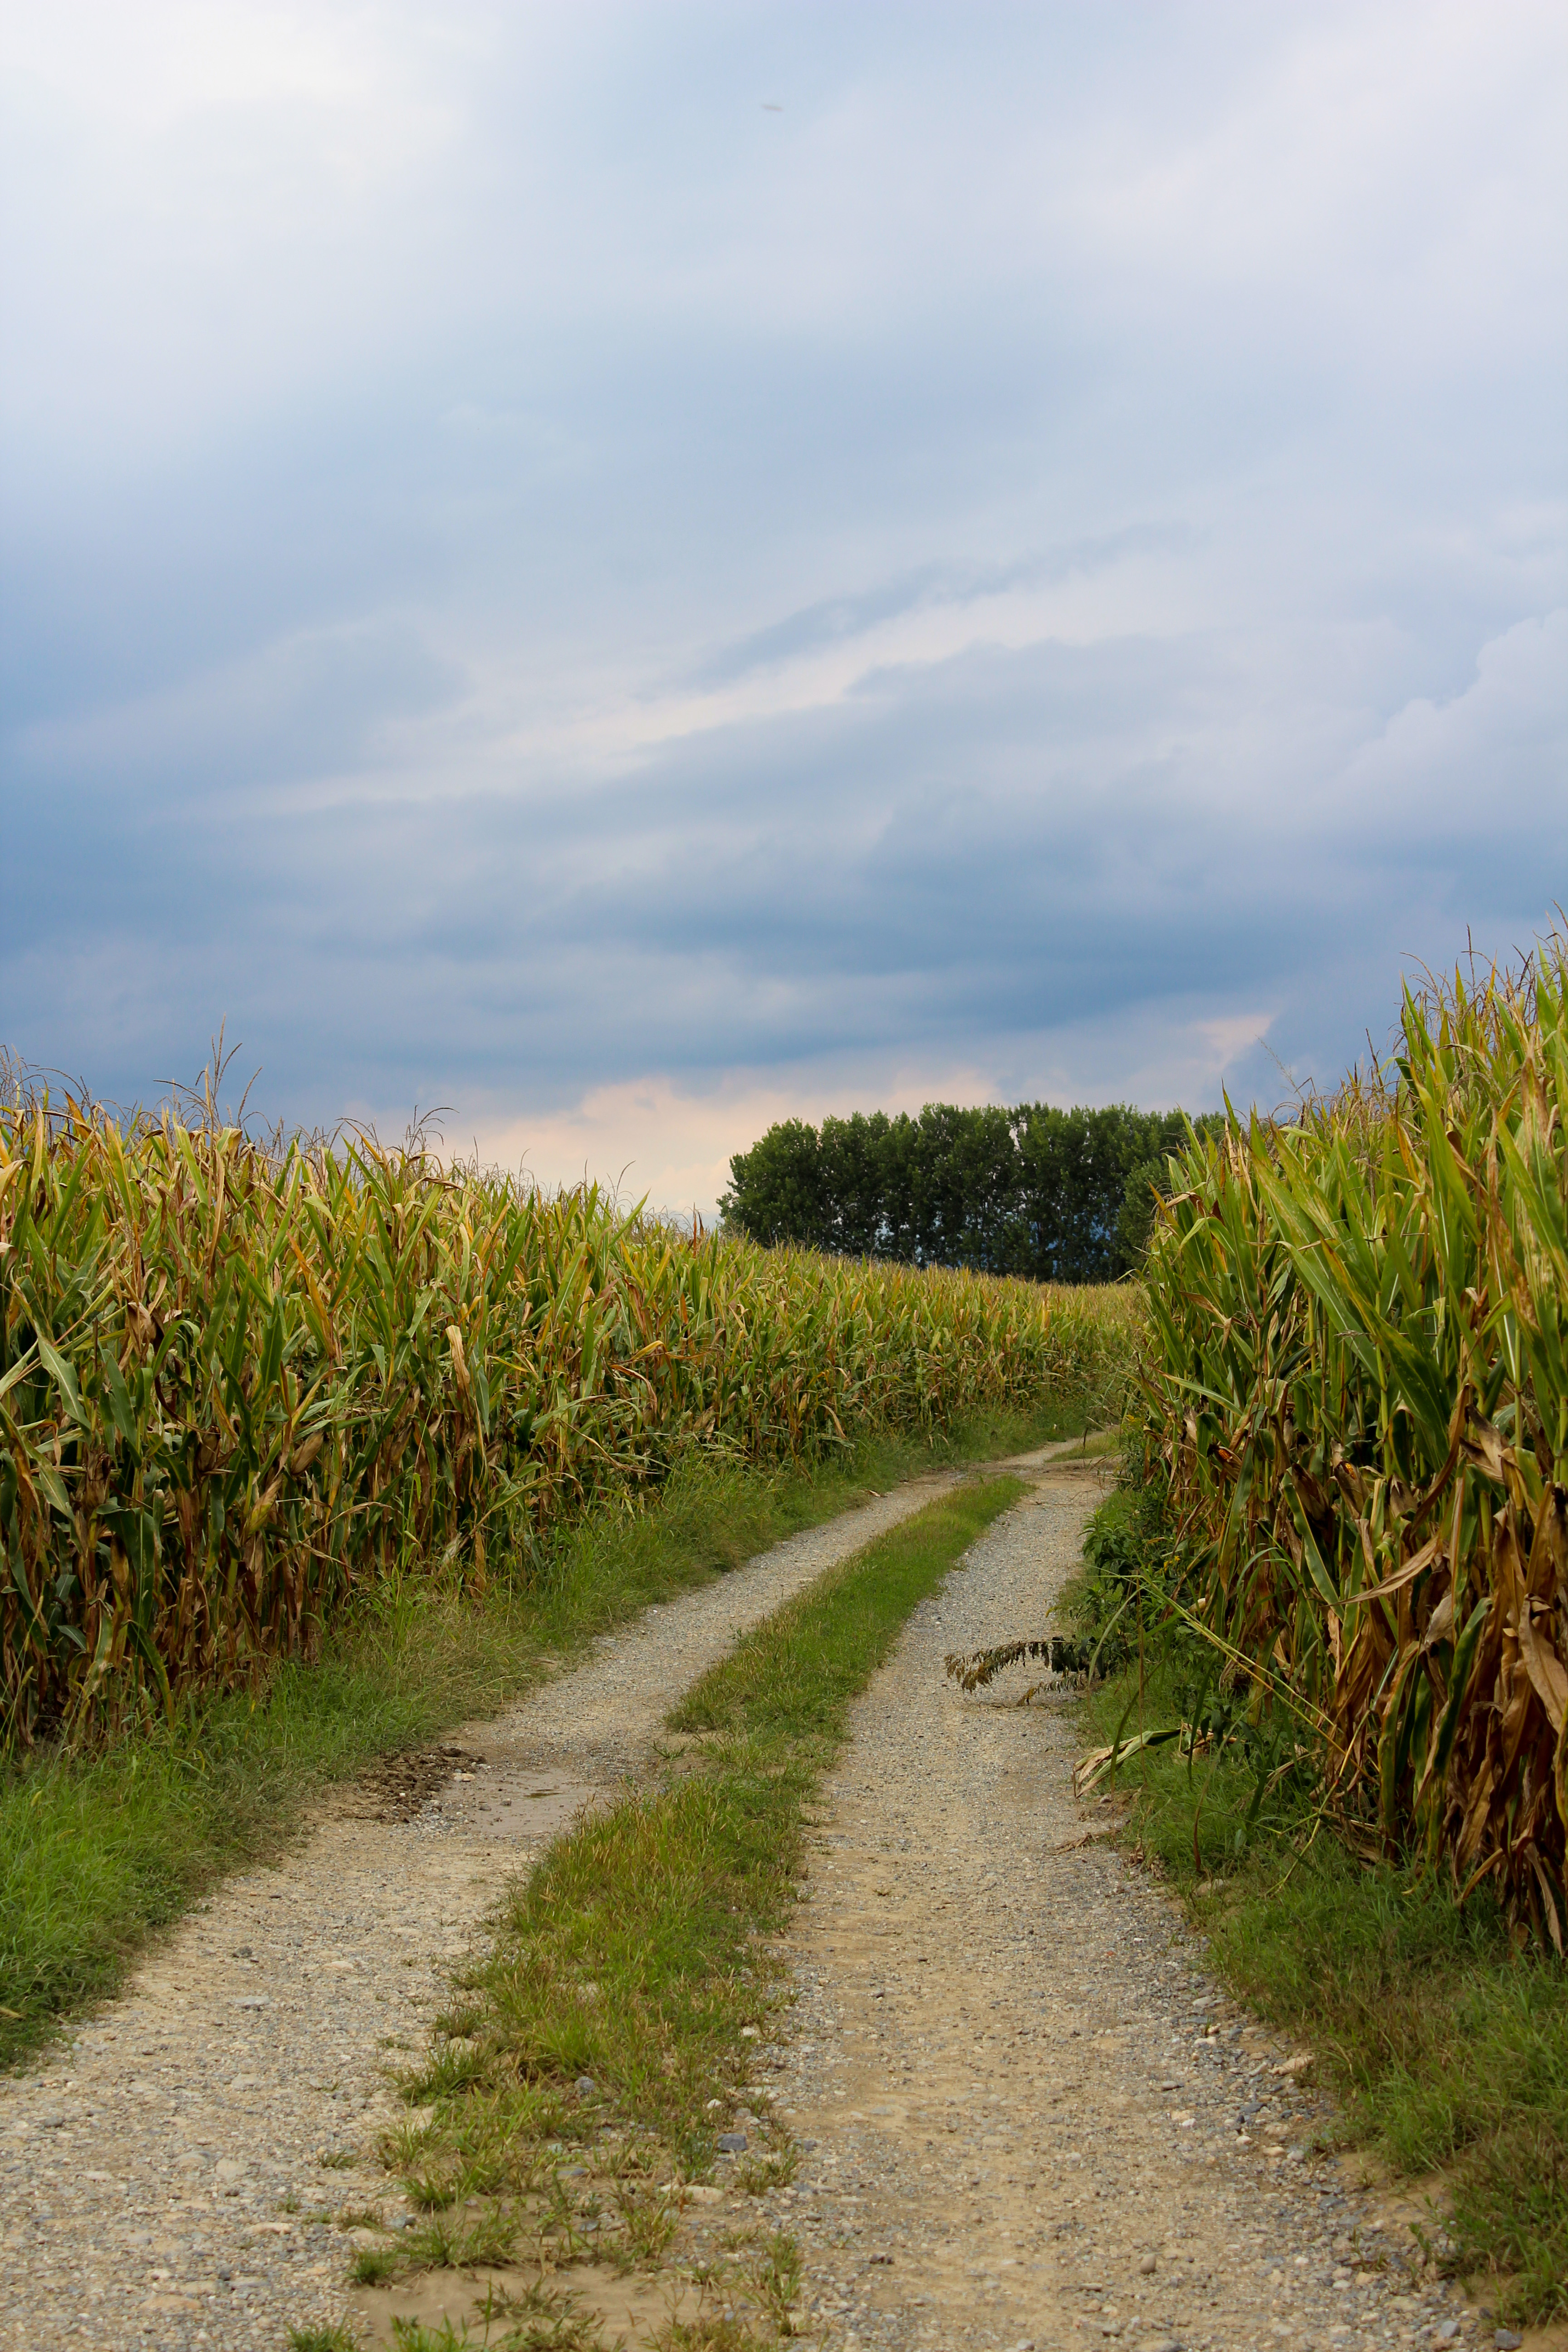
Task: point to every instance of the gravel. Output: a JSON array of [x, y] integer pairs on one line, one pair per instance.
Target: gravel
[[1027, 2115], [147, 2165], [1019, 2086]]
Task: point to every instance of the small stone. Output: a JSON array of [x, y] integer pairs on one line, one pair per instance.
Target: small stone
[[731, 2142], [1447, 2330], [586, 2086], [1507, 2341]]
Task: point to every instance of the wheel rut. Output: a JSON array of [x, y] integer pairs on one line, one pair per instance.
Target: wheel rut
[[1028, 2114], [148, 2164]]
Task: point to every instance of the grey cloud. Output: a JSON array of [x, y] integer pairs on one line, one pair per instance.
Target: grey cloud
[[310, 704], [656, 401], [839, 620], [459, 943]]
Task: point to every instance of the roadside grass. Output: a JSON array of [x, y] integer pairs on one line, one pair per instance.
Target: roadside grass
[[99, 1850], [1447, 2042], [595, 2056]]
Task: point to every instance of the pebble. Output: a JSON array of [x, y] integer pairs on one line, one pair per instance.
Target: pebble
[[993, 2010], [168, 2174]]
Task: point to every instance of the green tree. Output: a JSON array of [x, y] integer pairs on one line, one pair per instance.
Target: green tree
[[1060, 1196], [776, 1188], [1074, 1167], [852, 1164]]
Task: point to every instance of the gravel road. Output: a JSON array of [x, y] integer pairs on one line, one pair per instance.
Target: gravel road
[[143, 2167], [1032, 2117], [1027, 2116]]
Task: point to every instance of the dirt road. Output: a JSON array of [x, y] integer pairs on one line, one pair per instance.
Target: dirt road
[[1030, 2116], [144, 2167], [1027, 2116]]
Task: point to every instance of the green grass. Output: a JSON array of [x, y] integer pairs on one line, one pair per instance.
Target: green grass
[[638, 1955], [99, 1851], [1447, 2042]]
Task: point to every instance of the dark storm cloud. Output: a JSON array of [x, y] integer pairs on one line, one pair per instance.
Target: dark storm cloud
[[520, 570]]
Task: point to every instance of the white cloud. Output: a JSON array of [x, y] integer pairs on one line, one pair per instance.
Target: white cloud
[[1500, 747], [671, 1143]]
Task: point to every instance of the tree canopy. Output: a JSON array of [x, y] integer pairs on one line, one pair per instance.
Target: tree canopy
[[1062, 1195]]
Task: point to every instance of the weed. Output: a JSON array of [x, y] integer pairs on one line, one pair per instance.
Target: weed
[[451, 2069], [458, 2176], [372, 2266], [709, 2332], [460, 2024], [775, 2273], [337, 2337], [448, 2242], [648, 2218], [543, 2319], [775, 2168]]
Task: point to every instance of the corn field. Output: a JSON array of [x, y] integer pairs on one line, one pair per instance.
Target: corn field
[[240, 1382], [1358, 1383]]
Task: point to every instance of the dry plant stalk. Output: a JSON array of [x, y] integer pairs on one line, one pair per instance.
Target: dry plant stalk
[[974, 1670]]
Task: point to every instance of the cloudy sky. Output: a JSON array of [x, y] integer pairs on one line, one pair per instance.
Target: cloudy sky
[[630, 572]]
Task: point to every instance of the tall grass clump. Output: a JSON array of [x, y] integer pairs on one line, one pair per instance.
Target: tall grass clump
[[1357, 1390], [240, 1382]]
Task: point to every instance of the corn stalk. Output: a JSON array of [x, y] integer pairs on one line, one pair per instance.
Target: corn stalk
[[240, 1382], [1357, 1379]]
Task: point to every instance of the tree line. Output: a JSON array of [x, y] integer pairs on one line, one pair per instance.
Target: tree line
[[1060, 1196]]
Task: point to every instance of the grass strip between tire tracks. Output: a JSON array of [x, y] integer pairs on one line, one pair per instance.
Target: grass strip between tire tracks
[[636, 1962], [101, 1850]]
